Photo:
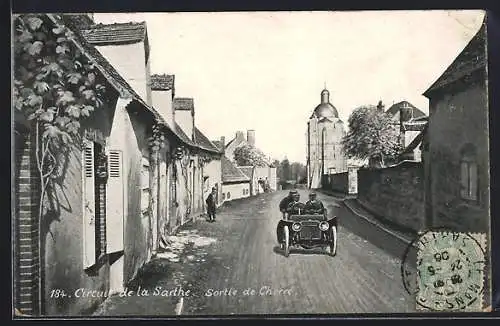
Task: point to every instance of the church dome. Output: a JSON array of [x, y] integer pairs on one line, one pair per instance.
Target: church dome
[[325, 109]]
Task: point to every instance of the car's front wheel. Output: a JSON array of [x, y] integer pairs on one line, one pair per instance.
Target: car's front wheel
[[333, 241], [286, 241]]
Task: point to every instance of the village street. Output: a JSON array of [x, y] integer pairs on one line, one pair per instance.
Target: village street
[[239, 251]]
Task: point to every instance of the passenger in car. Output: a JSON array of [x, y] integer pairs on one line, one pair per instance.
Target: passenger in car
[[314, 205]]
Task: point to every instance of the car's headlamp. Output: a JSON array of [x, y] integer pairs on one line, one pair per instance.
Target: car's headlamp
[[323, 226], [296, 227]]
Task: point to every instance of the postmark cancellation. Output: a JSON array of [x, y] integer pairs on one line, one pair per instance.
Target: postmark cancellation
[[450, 271]]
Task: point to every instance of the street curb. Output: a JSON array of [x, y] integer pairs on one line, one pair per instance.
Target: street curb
[[378, 224]]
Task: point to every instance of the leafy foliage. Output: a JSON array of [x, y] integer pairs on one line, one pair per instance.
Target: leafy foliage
[[248, 155], [55, 87], [54, 84], [157, 139], [372, 135]]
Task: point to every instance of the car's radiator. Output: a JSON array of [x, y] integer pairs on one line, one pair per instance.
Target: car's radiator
[[310, 230]]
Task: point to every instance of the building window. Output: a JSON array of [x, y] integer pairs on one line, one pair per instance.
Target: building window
[[468, 173], [223, 196], [228, 195]]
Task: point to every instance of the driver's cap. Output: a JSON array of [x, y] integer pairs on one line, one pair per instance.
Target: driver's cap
[[294, 192]]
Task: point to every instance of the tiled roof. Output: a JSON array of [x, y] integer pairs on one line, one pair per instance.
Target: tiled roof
[[182, 135], [118, 33], [230, 173], [183, 103], [109, 72], [203, 142], [162, 82], [408, 109], [247, 170], [472, 58], [115, 79]]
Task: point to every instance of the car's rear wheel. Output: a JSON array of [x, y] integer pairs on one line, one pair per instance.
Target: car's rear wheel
[[333, 241], [286, 241]]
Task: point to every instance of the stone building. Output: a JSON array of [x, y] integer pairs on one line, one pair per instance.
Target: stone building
[[324, 135], [456, 149], [116, 195]]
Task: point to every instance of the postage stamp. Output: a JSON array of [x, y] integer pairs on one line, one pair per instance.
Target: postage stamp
[[450, 271]]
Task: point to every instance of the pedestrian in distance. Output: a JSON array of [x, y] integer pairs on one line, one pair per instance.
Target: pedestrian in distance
[[211, 205]]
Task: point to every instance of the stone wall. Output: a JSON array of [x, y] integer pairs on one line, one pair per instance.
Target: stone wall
[[395, 193]]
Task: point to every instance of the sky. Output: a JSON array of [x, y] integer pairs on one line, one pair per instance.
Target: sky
[[265, 70]]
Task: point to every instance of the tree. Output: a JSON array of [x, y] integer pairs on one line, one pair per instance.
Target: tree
[[298, 171], [247, 155], [372, 135], [285, 170], [54, 88]]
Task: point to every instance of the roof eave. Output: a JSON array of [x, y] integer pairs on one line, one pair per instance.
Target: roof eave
[[435, 88]]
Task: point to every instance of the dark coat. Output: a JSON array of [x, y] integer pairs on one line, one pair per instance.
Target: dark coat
[[211, 203], [315, 205], [284, 203]]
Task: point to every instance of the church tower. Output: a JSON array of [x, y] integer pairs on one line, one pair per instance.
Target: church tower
[[324, 135]]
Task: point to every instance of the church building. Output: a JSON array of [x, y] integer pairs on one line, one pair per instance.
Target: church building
[[324, 135]]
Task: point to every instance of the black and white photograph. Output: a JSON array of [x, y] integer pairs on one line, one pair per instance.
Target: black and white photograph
[[170, 164]]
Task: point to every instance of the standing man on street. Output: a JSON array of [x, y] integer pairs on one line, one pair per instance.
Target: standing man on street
[[211, 205]]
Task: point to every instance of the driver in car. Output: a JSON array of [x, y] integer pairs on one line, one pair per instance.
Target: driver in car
[[288, 205], [314, 205], [293, 196]]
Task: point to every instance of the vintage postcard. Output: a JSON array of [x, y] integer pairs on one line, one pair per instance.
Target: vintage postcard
[[250, 163]]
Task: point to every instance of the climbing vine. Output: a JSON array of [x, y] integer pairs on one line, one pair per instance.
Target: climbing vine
[[157, 138], [55, 88], [184, 162]]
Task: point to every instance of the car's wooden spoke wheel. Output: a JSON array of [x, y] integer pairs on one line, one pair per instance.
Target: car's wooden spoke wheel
[[333, 240], [286, 241]]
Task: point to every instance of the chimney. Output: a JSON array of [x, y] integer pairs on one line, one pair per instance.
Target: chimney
[[223, 142], [184, 115], [128, 53], [162, 89], [251, 137], [239, 135]]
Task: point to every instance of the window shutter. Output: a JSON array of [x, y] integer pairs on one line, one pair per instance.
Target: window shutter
[[473, 181], [464, 179], [114, 203], [89, 236]]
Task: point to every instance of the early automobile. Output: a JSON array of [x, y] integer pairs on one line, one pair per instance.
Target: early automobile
[[308, 230]]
